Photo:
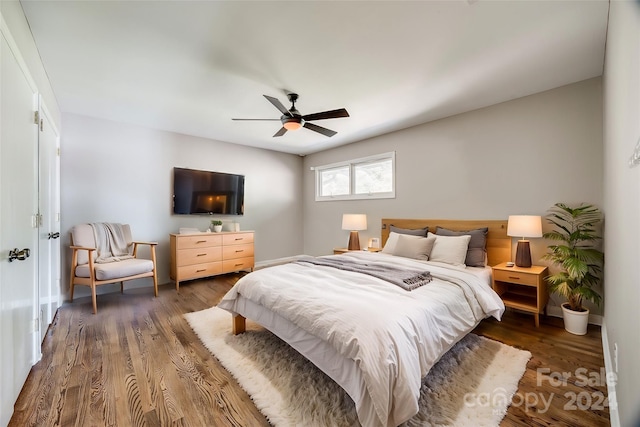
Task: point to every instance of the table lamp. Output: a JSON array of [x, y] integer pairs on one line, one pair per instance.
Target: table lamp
[[354, 223], [524, 226]]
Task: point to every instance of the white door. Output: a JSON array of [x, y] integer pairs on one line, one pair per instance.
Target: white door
[[18, 206], [49, 230]]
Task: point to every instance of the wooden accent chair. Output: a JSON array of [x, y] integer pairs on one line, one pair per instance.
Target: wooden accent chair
[[85, 271]]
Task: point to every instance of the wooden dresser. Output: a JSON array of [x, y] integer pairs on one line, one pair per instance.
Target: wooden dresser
[[207, 254]]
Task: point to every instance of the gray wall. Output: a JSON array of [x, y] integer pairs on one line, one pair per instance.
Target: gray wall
[[518, 157], [622, 204], [122, 173]]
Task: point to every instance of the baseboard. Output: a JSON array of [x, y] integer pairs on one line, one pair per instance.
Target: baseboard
[[614, 415], [555, 311]]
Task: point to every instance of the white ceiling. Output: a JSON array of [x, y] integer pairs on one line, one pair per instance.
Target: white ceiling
[[191, 66]]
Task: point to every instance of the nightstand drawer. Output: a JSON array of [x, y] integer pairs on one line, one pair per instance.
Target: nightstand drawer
[[515, 277]]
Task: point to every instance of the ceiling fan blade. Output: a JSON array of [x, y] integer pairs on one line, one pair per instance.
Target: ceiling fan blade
[[333, 114], [281, 132], [271, 120], [278, 105], [320, 129]]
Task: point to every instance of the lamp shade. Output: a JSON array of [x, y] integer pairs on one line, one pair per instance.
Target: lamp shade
[[354, 222], [524, 226]]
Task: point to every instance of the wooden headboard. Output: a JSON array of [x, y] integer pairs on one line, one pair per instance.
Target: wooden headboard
[[498, 243]]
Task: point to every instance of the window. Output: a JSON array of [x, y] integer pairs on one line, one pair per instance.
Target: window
[[366, 178]]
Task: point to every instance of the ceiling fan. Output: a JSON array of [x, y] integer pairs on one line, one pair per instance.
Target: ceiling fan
[[291, 119]]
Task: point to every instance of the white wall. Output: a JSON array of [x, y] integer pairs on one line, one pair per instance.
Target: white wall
[[622, 203], [518, 157], [122, 173]]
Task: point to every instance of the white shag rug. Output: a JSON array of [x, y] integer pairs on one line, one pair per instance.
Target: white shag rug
[[471, 385]]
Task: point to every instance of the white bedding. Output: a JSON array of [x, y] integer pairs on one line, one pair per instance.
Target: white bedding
[[389, 336]]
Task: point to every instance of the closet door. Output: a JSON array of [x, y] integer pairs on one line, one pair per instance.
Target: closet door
[[18, 232], [49, 218]]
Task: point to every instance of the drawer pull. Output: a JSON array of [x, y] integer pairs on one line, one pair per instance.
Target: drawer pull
[[201, 255], [237, 265], [239, 250], [514, 277], [201, 241], [200, 271], [239, 238]]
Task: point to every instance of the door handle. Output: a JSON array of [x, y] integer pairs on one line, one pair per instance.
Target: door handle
[[19, 255], [54, 235]]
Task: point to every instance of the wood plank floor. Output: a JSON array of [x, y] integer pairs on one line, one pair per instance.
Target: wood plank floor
[[138, 363]]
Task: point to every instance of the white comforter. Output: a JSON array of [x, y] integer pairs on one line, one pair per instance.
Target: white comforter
[[394, 336]]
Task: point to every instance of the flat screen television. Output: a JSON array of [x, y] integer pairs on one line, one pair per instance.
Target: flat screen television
[[197, 192]]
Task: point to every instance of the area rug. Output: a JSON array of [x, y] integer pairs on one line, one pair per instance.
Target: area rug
[[472, 384]]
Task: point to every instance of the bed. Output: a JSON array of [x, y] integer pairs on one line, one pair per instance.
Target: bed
[[376, 339]]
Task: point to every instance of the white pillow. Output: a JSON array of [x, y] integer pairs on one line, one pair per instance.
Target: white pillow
[[450, 249], [409, 247], [392, 240]]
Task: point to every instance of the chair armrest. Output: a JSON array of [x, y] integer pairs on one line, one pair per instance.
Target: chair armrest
[[82, 248], [145, 243]]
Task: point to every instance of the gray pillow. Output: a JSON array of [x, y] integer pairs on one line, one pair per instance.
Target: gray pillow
[[477, 251], [422, 232]]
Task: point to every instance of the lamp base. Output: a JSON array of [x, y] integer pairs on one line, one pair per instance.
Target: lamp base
[[354, 241], [523, 254]]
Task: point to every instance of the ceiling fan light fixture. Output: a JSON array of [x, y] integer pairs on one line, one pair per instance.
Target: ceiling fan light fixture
[[292, 124]]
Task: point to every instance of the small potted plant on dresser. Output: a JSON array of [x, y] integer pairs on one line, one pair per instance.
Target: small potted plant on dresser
[[580, 261], [216, 225]]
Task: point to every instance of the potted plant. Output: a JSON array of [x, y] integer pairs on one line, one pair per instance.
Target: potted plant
[[217, 225], [580, 262]]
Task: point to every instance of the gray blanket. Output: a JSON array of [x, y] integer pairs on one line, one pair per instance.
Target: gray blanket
[[111, 242], [407, 280]]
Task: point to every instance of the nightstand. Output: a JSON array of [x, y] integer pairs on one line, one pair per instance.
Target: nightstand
[[522, 288], [338, 251]]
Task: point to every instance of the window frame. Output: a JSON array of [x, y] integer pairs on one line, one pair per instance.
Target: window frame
[[351, 164]]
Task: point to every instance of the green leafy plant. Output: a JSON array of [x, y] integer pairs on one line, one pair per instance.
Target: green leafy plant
[[215, 222], [575, 253]]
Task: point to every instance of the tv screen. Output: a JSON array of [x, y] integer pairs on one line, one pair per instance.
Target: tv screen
[[197, 192]]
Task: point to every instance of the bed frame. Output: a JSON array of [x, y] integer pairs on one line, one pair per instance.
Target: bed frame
[[498, 243]]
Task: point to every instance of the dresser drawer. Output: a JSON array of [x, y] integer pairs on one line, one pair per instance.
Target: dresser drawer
[[198, 255], [199, 270], [237, 251], [237, 238], [198, 241], [237, 264], [515, 277]]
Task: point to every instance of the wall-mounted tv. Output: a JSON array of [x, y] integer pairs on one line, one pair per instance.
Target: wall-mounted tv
[[197, 192]]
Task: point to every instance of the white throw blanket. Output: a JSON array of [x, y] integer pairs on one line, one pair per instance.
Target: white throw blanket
[[393, 335], [111, 242]]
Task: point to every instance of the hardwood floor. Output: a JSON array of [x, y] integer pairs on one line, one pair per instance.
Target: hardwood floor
[[137, 362]]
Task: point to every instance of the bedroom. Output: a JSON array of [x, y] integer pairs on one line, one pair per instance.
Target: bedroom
[[509, 146]]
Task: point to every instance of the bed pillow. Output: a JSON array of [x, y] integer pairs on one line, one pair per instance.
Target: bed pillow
[[450, 249], [410, 247], [390, 245], [477, 251], [422, 232]]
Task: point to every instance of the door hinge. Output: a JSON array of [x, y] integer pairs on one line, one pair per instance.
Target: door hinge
[[36, 118], [58, 151], [41, 125]]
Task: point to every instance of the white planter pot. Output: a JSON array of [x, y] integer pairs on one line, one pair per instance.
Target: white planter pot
[[575, 321], [217, 228]]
